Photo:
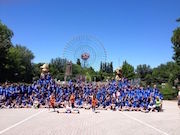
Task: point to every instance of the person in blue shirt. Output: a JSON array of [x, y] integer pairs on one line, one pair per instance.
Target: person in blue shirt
[[113, 95], [126, 107]]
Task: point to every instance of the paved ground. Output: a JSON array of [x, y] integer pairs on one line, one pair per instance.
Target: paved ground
[[45, 122]]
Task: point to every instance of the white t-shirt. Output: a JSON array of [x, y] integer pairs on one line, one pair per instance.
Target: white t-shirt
[[68, 108], [117, 93], [179, 95]]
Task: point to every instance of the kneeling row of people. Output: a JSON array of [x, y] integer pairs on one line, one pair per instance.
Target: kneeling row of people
[[95, 105]]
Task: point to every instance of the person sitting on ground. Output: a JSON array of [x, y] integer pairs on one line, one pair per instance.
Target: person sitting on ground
[[158, 104], [36, 104], [86, 105], [113, 104], [108, 102], [151, 105], [126, 107], [144, 105], [69, 109]]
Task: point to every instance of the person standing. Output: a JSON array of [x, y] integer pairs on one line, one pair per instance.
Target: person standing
[[178, 97], [52, 101], [94, 103], [72, 100]]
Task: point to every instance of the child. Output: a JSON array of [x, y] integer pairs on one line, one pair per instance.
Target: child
[[151, 105], [36, 104], [69, 108], [113, 104], [52, 102], [86, 105], [72, 100], [94, 103], [127, 104]]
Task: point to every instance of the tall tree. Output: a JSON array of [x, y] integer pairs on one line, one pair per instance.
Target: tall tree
[[106, 67], [57, 67], [20, 64], [128, 70], [5, 43], [176, 44], [143, 71], [166, 73], [36, 70], [101, 66], [78, 62], [111, 67]]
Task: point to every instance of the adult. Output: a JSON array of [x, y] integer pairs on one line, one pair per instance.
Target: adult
[[179, 97]]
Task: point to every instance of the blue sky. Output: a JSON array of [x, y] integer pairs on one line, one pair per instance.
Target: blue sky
[[138, 31]]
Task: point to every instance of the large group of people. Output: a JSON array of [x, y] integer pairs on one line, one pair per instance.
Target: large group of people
[[112, 95]]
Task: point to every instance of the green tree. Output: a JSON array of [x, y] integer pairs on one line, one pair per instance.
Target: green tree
[[128, 70], [143, 70], [101, 67], [111, 67], [106, 67], [36, 70], [77, 69], [88, 77], [176, 44], [148, 79], [57, 68], [78, 62], [166, 73], [5, 43], [20, 64]]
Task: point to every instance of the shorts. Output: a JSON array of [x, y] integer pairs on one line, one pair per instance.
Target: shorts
[[53, 105], [72, 104], [158, 108]]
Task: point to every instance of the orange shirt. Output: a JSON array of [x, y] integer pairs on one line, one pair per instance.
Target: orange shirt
[[94, 102], [72, 99], [52, 100]]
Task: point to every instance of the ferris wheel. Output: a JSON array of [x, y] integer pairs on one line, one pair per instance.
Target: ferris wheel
[[88, 49]]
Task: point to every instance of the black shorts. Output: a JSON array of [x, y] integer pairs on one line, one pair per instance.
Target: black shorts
[[158, 108], [72, 105]]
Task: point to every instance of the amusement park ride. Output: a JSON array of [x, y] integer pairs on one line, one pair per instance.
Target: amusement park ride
[[88, 50], [85, 56]]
